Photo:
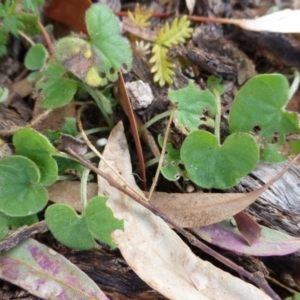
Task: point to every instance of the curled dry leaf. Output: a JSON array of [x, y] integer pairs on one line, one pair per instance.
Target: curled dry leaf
[[154, 251]]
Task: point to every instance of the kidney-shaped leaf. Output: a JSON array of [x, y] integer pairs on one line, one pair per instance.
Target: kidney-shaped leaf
[[260, 104], [36, 57], [210, 165], [101, 221], [21, 194], [35, 146], [46, 274], [227, 236], [68, 227]]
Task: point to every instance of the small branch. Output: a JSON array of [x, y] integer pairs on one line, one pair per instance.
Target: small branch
[[161, 159], [22, 234], [255, 278]]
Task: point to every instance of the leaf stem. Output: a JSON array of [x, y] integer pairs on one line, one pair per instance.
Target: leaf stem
[[83, 197], [153, 120], [218, 116], [295, 84], [97, 98], [26, 37]]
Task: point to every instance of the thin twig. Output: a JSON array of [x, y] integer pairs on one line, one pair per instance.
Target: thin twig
[[255, 278], [161, 159], [47, 38]]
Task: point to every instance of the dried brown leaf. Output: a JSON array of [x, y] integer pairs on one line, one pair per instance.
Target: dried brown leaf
[[153, 250]]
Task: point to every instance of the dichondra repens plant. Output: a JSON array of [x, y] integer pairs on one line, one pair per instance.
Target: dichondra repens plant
[[81, 64], [77, 64], [258, 126]]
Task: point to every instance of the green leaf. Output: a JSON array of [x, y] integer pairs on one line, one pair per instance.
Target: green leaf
[[101, 221], [35, 146], [210, 165], [111, 50], [175, 33], [12, 23], [69, 127], [68, 227], [260, 104], [57, 89], [66, 165], [3, 41], [295, 145], [36, 57], [162, 65], [17, 222], [271, 153], [21, 194], [13, 223], [32, 5], [4, 230], [215, 84], [171, 168], [195, 107]]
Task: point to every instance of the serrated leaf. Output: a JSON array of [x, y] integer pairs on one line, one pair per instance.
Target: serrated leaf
[[211, 165], [76, 56], [194, 108], [163, 65], [57, 89], [175, 34], [101, 221], [32, 5], [12, 23], [36, 57], [260, 103], [35, 146], [46, 274], [21, 194], [140, 16], [68, 227], [111, 50]]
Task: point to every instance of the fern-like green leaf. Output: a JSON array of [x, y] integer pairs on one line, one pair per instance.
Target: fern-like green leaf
[[169, 35], [140, 16], [175, 33], [163, 66]]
